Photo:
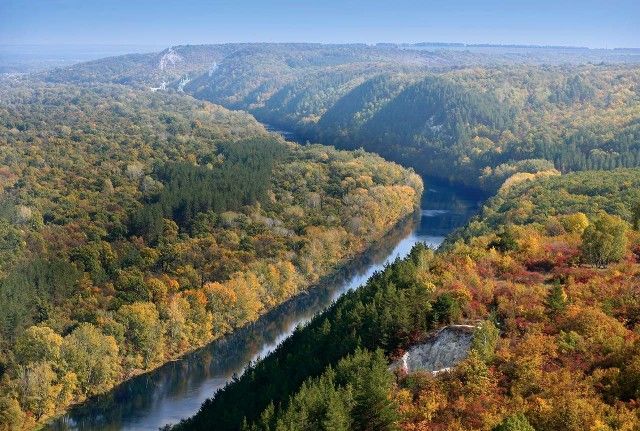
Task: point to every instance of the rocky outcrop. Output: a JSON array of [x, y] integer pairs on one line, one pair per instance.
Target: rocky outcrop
[[169, 58], [440, 352]]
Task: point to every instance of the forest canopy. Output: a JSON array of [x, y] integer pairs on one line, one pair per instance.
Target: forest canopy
[[555, 345], [473, 117], [140, 219], [139, 225]]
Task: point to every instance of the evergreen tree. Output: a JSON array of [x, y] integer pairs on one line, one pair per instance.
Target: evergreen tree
[[517, 422], [557, 298]]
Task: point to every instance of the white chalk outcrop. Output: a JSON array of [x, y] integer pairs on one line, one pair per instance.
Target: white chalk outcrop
[[440, 352], [169, 58]]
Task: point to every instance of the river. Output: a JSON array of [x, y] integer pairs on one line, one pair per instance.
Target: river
[[177, 389]]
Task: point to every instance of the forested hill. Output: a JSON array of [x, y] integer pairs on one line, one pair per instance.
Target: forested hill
[[467, 115], [137, 225], [548, 275], [290, 60], [138, 221]]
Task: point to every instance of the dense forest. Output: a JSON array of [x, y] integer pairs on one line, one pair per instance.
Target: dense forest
[[460, 115], [141, 219], [555, 287], [138, 225]]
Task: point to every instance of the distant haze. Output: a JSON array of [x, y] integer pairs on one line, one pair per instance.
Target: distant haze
[[596, 24], [33, 58]]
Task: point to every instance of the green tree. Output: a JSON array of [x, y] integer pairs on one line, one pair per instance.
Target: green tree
[[131, 287], [506, 240], [447, 308], [557, 298], [516, 422], [636, 216], [373, 408], [604, 241], [11, 243], [485, 339], [337, 415]]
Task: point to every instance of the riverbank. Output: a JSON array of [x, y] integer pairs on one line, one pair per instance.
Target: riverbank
[[177, 390], [138, 257], [236, 349]]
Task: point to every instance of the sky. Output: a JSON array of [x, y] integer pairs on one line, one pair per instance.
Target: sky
[[595, 24]]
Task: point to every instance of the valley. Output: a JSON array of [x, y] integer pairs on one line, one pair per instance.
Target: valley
[[177, 390], [174, 214]]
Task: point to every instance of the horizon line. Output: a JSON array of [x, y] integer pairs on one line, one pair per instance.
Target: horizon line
[[423, 43]]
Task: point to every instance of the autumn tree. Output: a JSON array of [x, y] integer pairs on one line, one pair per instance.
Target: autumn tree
[[143, 332], [11, 415], [38, 344], [93, 357], [575, 223]]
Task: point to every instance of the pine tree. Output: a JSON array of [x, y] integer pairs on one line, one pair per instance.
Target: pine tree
[[517, 422], [337, 416], [636, 216], [557, 299]]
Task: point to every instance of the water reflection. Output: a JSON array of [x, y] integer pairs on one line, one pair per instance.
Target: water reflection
[[177, 389]]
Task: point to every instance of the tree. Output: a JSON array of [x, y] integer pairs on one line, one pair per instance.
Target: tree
[[93, 357], [373, 408], [131, 287], [38, 344], [447, 308], [37, 388], [221, 303], [575, 223], [485, 339], [11, 416], [557, 298], [604, 241], [11, 243], [337, 416], [516, 422], [506, 241], [143, 333], [636, 216]]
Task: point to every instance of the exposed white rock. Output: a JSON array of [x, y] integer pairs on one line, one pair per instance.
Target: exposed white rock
[[23, 214], [170, 58], [440, 352], [184, 81], [213, 68], [163, 87]]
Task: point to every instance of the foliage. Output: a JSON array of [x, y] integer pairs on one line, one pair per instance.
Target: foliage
[[390, 311], [569, 199], [517, 422], [474, 117], [604, 241], [557, 347], [356, 395], [139, 225], [138, 222]]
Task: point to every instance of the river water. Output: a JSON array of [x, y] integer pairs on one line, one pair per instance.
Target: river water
[[177, 389]]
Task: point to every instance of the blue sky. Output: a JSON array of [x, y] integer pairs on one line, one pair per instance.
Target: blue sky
[[599, 24]]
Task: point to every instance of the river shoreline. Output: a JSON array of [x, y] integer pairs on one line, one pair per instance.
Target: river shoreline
[[342, 270], [176, 388]]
